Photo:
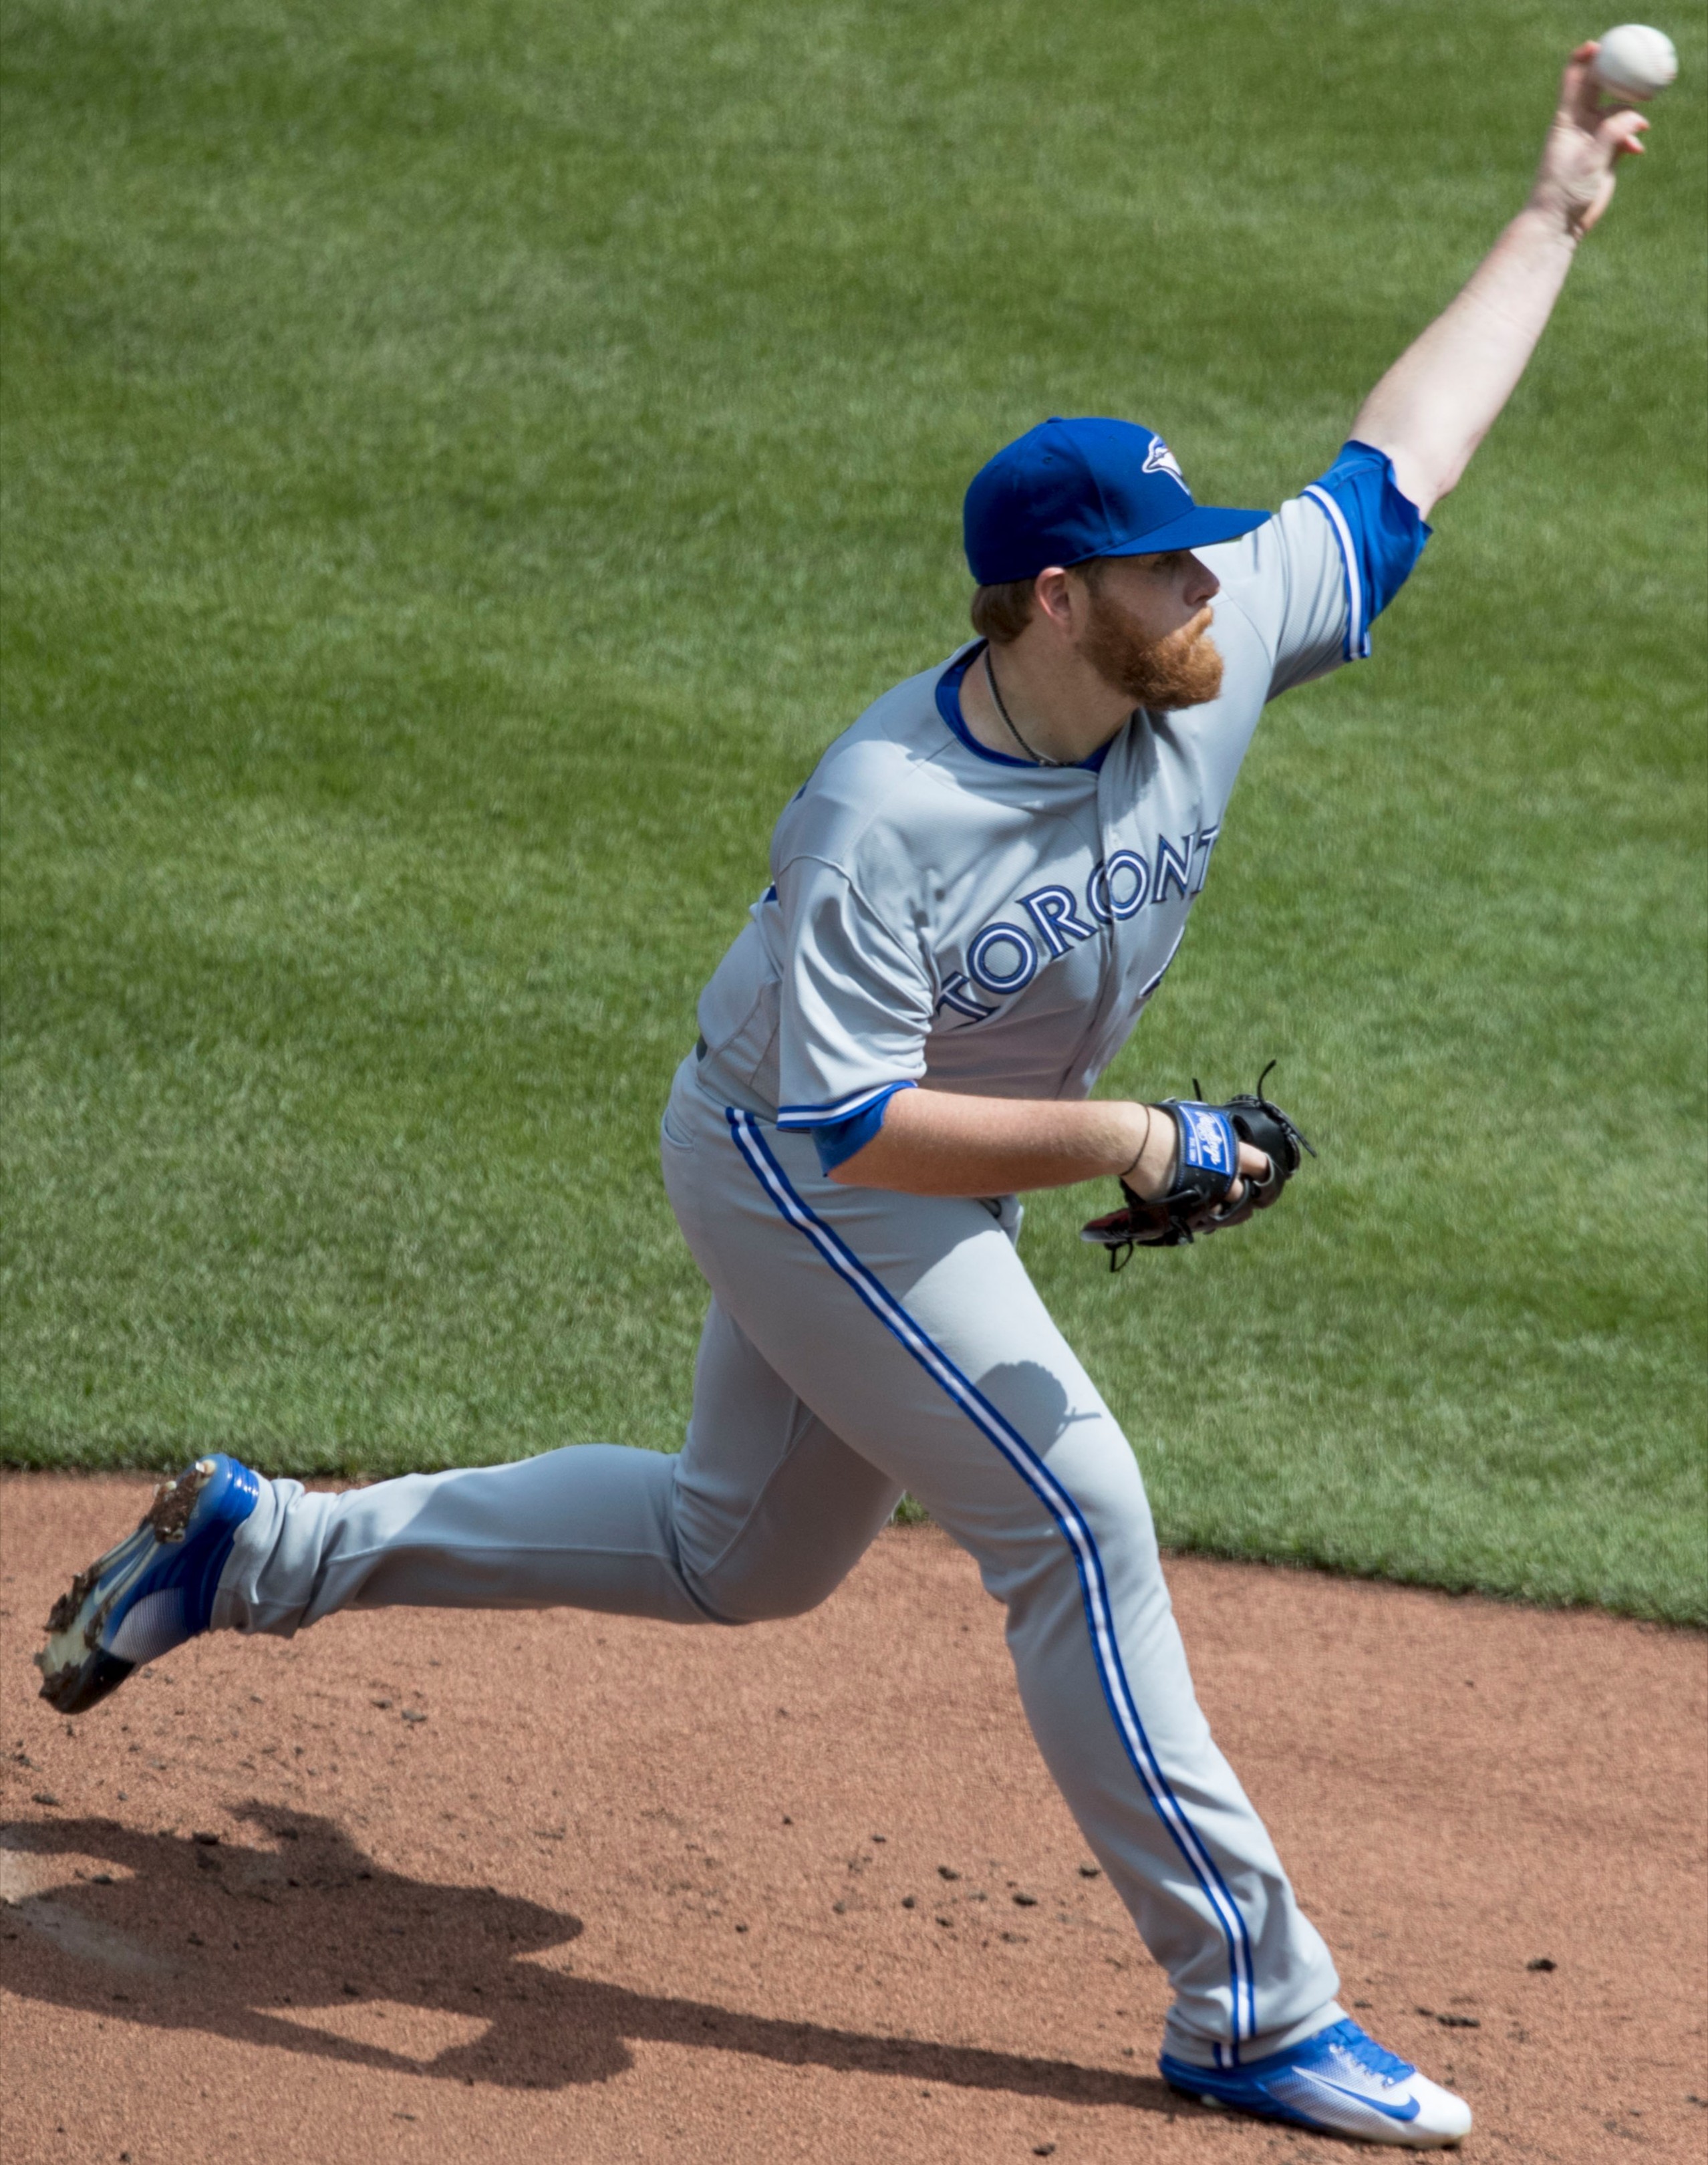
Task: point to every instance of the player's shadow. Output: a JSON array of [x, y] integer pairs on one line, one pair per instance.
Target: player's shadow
[[1030, 1396], [310, 1945]]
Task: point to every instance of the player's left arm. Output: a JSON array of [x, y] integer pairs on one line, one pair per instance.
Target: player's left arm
[[1438, 401]]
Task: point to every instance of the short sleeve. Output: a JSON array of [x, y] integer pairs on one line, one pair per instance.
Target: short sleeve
[[1379, 531], [856, 1005], [1314, 578]]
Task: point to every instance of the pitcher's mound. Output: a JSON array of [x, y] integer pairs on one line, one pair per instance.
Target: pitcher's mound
[[439, 1887]]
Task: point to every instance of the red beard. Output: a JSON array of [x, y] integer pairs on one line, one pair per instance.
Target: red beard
[[1183, 670]]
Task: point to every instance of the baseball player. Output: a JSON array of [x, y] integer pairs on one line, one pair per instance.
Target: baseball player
[[972, 899]]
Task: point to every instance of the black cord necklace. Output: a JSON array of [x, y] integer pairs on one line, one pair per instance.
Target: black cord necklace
[[1036, 758]]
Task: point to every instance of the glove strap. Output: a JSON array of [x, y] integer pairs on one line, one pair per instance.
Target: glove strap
[[1206, 1157]]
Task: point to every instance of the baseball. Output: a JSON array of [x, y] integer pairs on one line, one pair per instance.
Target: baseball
[[1636, 62]]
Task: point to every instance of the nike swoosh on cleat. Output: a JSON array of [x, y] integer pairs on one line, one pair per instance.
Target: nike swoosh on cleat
[[1409, 2110]]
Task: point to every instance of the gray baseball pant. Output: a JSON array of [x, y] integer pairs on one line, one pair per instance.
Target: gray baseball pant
[[859, 1342]]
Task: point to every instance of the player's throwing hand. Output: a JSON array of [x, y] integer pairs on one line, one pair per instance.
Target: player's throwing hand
[[1574, 181]]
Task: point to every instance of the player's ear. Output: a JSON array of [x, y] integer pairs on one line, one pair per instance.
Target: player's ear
[[1056, 597]]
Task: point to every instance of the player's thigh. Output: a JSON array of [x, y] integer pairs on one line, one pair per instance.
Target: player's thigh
[[909, 1326], [772, 1508]]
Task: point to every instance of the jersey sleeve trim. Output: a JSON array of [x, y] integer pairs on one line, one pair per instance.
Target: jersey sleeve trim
[[1380, 532], [839, 1109], [837, 1141], [1356, 645]]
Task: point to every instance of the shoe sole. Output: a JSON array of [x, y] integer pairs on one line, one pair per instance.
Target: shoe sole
[[1280, 2117], [76, 1669]]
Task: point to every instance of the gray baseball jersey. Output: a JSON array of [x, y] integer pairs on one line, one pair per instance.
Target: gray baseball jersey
[[941, 914]]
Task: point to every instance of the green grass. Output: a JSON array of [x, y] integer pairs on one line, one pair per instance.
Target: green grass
[[463, 462]]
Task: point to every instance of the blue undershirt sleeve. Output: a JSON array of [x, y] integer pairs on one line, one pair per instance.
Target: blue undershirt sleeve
[[837, 1141], [1380, 531]]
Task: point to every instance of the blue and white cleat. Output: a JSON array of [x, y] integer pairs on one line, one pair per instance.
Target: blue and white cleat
[[151, 1592], [1340, 2082]]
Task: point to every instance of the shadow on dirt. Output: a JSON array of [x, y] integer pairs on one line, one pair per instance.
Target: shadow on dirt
[[191, 1936]]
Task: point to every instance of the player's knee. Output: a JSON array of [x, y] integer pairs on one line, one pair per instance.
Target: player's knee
[[1107, 1530], [736, 1593]]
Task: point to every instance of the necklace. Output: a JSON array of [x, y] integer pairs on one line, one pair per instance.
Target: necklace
[[1036, 758]]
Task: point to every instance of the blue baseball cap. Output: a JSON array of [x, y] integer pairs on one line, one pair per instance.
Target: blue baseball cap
[[1069, 490]]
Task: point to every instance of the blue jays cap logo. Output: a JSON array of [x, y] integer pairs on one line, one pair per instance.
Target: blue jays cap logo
[[1068, 490]]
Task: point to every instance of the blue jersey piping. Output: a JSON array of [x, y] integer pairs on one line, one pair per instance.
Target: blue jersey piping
[[1379, 531]]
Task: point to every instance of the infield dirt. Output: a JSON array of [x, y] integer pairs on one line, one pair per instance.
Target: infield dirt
[[435, 1887]]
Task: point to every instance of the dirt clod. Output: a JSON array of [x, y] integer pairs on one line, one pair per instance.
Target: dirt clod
[[60, 1616], [169, 1514]]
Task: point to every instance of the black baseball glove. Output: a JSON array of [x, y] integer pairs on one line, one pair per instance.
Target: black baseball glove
[[1206, 1166]]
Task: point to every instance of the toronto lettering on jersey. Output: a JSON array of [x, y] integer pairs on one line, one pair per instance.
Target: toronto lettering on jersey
[[1008, 954]]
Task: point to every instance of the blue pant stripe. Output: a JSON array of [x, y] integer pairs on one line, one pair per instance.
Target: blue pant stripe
[[1094, 1589]]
